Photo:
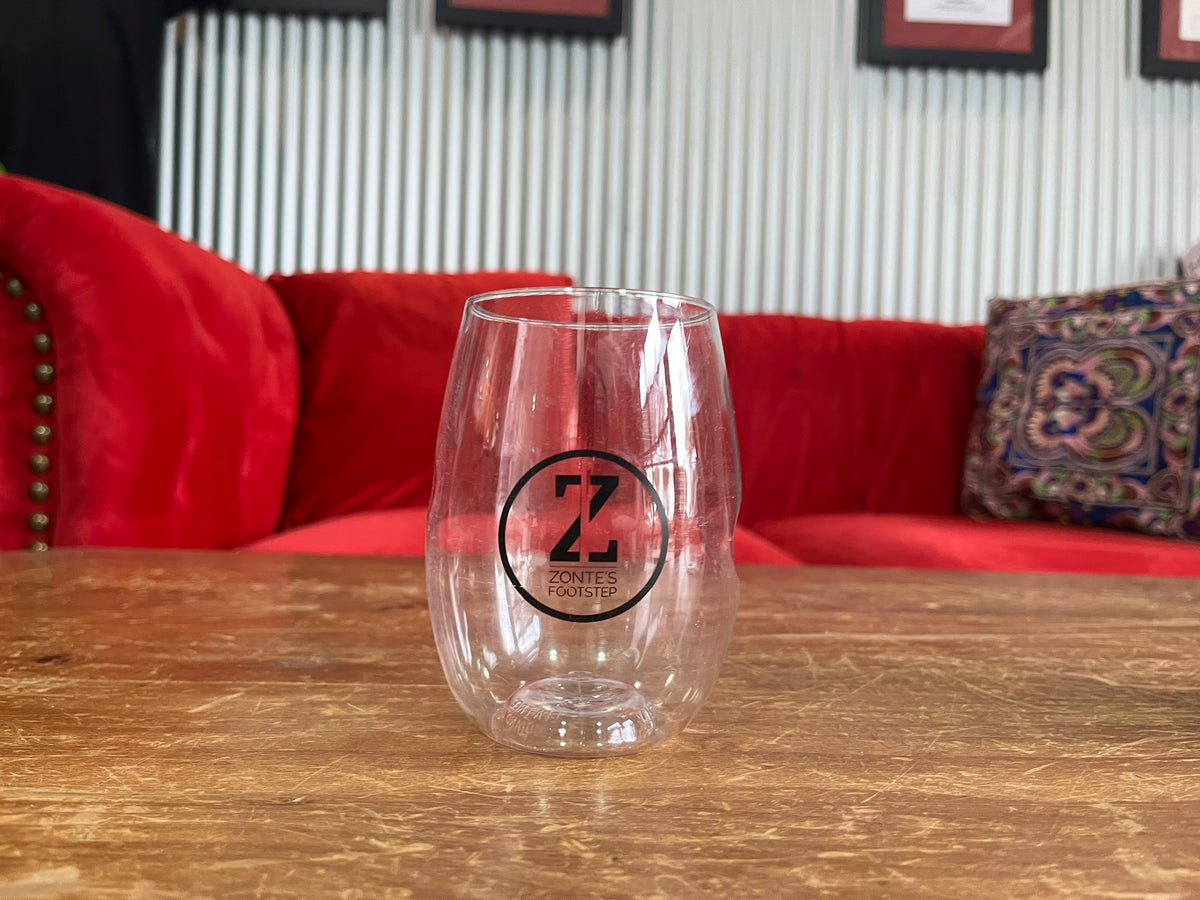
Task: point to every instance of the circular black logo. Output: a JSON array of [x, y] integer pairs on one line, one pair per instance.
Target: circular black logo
[[583, 536]]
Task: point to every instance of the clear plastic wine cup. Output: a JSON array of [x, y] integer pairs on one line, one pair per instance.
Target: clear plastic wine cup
[[579, 549]]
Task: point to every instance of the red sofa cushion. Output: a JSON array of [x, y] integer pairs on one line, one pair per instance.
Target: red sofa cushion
[[175, 386], [850, 416], [401, 532], [390, 532], [375, 352], [956, 542]]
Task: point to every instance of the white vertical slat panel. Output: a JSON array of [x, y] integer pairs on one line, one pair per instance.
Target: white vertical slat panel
[[939, 195], [370, 200], [822, 122], [991, 170], [617, 123], [311, 130], [270, 143], [333, 132], [571, 191], [435, 174], [865, 240], [766, 266], [1011, 154], [1033, 100], [594, 146], [390, 205], [1066, 116], [167, 142], [696, 148], [209, 91], [894, 172], [960, 298], [416, 73], [654, 46], [912, 189], [497, 155], [948, 218], [832, 203], [800, 27], [292, 147], [533, 202], [1120, 204], [735, 151], [706, 256], [230, 162], [512, 203], [674, 163], [554, 162], [1086, 117], [461, 160], [185, 181], [846, 270], [1183, 166], [250, 131], [350, 197]]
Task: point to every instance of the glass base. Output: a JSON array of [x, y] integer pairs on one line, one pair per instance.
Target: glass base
[[578, 714]]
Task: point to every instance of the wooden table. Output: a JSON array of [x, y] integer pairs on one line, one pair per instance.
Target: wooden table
[[234, 725]]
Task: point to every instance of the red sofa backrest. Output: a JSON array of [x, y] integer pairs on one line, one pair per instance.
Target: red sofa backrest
[[174, 382], [375, 354], [850, 416]]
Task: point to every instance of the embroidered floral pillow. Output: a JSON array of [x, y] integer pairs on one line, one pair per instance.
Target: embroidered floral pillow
[[1088, 411]]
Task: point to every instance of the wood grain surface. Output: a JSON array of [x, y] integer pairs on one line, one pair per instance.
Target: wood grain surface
[[233, 725]]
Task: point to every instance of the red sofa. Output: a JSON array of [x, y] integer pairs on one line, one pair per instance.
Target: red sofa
[[154, 395]]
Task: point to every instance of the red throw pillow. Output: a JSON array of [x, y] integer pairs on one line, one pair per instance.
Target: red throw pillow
[[166, 414], [849, 416], [375, 353]]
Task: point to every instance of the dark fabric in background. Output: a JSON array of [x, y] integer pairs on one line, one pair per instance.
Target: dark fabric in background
[[80, 90]]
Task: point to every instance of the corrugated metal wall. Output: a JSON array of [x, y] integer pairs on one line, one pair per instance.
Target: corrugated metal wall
[[730, 149]]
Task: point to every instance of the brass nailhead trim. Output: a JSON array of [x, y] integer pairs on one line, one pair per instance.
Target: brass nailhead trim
[[39, 546], [41, 343], [14, 288], [43, 373], [39, 522], [43, 403], [39, 491], [41, 434], [33, 312], [39, 464]]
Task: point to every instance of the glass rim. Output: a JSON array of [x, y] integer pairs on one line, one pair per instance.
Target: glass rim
[[703, 311]]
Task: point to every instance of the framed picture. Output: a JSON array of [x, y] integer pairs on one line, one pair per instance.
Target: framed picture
[[326, 7], [1171, 38], [590, 17], [972, 34]]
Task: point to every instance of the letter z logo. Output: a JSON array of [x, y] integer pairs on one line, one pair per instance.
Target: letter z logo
[[606, 486], [632, 548]]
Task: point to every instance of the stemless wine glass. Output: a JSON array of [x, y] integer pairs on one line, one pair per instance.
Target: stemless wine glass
[[579, 546]]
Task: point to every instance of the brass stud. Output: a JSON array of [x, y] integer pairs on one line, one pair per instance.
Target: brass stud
[[41, 434], [39, 464], [43, 403], [39, 546], [41, 342], [14, 288], [38, 522], [33, 312], [39, 491], [43, 373]]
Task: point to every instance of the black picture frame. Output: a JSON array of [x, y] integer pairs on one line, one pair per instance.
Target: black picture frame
[[1154, 62], [369, 8], [873, 48], [517, 15]]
